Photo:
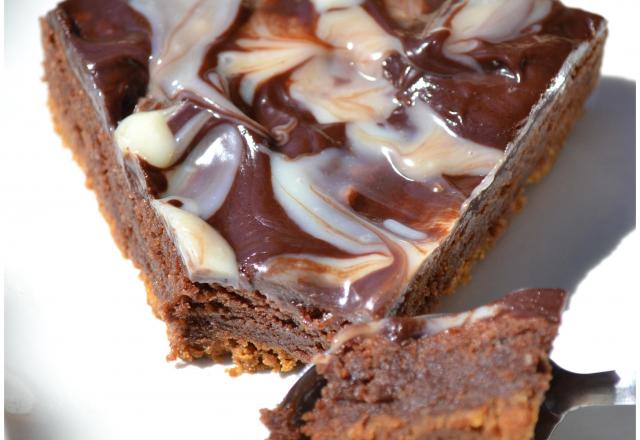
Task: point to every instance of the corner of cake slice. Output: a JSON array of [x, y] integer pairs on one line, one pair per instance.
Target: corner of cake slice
[[475, 375]]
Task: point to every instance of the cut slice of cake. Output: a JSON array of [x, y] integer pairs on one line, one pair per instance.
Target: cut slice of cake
[[475, 375], [280, 169]]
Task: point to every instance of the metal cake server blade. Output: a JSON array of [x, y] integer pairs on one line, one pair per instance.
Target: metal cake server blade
[[570, 391], [303, 394]]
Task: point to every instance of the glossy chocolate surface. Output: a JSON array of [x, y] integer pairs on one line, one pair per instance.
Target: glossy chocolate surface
[[329, 146], [111, 44]]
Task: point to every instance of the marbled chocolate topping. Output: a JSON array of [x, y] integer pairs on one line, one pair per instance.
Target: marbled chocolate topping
[[317, 150]]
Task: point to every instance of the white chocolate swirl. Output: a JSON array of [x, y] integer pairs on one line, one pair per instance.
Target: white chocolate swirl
[[490, 20], [147, 135], [268, 51], [182, 35], [431, 150], [325, 5], [203, 180], [206, 254]]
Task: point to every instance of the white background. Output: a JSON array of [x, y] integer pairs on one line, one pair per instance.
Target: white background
[[84, 357]]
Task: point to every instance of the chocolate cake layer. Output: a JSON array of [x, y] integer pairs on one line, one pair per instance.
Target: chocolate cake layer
[[480, 375], [356, 182]]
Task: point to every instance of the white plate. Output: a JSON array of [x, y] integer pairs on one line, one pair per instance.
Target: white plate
[[84, 358]]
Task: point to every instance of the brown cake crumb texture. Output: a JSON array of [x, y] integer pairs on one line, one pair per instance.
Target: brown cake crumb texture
[[485, 381], [215, 322]]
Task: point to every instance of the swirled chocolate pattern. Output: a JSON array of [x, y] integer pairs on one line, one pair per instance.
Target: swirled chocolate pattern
[[320, 150]]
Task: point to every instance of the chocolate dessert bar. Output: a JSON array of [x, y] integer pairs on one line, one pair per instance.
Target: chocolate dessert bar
[[280, 169], [475, 375]]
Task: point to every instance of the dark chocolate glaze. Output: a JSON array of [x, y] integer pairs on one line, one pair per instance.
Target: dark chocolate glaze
[[110, 43], [490, 105], [274, 107], [255, 224], [110, 46]]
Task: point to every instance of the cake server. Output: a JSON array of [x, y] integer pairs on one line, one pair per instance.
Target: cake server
[[570, 391]]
